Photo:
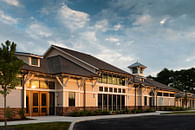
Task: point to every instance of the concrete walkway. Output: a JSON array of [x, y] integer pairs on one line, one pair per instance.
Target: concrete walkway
[[74, 120]]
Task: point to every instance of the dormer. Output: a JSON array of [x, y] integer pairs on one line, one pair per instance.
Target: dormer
[[34, 61], [30, 59], [137, 69]]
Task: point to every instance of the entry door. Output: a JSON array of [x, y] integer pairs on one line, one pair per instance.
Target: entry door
[[43, 103], [39, 103], [35, 103]]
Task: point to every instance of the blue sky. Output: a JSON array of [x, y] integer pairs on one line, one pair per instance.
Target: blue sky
[[157, 33]]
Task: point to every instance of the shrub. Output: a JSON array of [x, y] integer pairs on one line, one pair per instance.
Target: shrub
[[21, 113], [75, 113], [133, 111], [105, 112], [83, 113], [9, 113]]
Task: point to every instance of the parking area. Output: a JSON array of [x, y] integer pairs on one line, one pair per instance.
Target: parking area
[[159, 122]]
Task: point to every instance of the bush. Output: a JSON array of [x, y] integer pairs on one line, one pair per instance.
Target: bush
[[75, 113], [83, 113], [21, 113], [9, 113], [105, 112]]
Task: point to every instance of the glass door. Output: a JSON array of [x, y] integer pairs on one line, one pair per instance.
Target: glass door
[[43, 103], [35, 104], [40, 103]]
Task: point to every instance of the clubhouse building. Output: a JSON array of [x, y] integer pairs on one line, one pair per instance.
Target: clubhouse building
[[64, 80]]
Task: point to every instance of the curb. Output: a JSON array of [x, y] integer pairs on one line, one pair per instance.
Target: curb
[[126, 116]]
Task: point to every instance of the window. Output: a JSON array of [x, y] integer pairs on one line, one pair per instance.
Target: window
[[71, 98], [123, 90], [43, 84], [119, 90], [115, 90], [159, 94], [105, 89], [51, 84], [172, 95], [134, 70], [101, 89], [100, 101], [141, 70], [34, 61], [110, 89], [145, 101], [110, 79], [35, 84], [114, 79], [165, 94], [104, 78]]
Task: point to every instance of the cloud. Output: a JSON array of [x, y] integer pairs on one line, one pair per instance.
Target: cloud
[[142, 20], [72, 19], [113, 40], [7, 19], [101, 25], [117, 27], [163, 21], [12, 2], [36, 31]]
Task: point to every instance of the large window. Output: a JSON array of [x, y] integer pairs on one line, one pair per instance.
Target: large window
[[34, 61], [104, 78], [35, 84], [165, 94], [71, 98], [112, 79], [145, 101], [159, 94]]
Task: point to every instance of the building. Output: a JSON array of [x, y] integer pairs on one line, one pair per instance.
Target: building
[[64, 80]]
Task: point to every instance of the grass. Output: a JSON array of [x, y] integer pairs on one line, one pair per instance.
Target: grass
[[42, 126], [179, 113]]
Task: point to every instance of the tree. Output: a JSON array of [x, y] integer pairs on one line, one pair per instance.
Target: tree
[[10, 67], [181, 79]]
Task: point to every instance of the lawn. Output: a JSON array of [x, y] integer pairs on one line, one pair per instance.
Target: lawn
[[180, 112], [42, 126]]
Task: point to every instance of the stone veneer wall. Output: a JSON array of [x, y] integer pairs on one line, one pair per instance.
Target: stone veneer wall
[[14, 110]]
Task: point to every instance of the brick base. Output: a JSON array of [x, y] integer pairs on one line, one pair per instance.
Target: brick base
[[62, 111], [14, 110]]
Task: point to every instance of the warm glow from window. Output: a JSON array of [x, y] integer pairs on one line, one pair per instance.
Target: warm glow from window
[[33, 86]]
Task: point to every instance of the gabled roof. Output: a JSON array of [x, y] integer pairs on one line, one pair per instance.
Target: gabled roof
[[159, 85], [137, 64], [59, 65], [93, 61], [153, 83]]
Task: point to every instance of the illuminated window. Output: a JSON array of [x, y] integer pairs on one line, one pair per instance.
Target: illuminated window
[[44, 84], [35, 84], [71, 98]]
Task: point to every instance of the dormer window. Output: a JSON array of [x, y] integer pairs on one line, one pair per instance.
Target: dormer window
[[34, 61]]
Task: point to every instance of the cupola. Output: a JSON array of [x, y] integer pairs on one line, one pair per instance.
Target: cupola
[[137, 69]]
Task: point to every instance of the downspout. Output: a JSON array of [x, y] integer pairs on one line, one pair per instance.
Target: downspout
[[156, 101], [23, 91], [84, 96], [135, 97]]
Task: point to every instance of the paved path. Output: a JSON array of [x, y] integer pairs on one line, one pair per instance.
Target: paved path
[[160, 122], [74, 120]]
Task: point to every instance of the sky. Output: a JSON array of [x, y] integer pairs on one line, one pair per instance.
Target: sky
[[157, 33]]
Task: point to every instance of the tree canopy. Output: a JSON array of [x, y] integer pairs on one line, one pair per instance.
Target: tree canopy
[[180, 79]]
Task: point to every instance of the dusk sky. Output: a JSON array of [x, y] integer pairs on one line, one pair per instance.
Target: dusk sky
[[157, 33]]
